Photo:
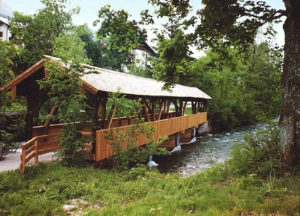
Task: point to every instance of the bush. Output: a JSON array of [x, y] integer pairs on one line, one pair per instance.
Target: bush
[[259, 153]]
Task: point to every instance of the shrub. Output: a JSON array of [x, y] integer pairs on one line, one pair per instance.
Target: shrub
[[259, 153]]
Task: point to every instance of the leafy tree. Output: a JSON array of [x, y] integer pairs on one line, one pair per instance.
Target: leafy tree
[[94, 50], [173, 45], [138, 71], [35, 34], [119, 34], [263, 80], [7, 53], [238, 21], [65, 93], [245, 87]]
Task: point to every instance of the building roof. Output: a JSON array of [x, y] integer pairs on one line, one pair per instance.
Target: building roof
[[147, 47], [112, 82], [4, 20]]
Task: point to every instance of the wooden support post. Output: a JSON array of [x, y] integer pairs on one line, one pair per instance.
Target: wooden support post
[[111, 116], [160, 109], [153, 110], [168, 106], [164, 107], [177, 107], [14, 93], [103, 111], [46, 73], [36, 151], [198, 106], [181, 107], [146, 110], [22, 164], [194, 109], [184, 107]]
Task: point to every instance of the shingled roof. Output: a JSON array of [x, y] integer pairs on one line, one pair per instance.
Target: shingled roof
[[112, 81]]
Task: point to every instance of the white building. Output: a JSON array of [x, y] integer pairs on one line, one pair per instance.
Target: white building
[[5, 16], [140, 57]]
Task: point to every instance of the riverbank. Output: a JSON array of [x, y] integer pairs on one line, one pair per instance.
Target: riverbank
[[50, 189]]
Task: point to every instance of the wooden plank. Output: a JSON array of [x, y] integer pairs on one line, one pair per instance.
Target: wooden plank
[[160, 109], [29, 150], [13, 93], [36, 152], [46, 73], [146, 110], [22, 164], [28, 158]]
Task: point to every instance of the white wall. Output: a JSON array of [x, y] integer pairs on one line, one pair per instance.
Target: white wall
[[5, 31]]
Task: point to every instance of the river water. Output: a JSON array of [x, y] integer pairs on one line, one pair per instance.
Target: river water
[[206, 152]]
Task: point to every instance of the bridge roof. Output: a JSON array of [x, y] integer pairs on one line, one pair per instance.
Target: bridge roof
[[112, 81]]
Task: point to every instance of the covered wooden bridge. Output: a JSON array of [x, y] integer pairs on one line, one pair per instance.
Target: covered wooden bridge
[[156, 102]]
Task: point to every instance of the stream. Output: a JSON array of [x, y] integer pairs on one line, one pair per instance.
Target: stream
[[208, 150]]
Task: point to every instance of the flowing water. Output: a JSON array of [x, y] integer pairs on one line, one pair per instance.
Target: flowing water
[[207, 151]]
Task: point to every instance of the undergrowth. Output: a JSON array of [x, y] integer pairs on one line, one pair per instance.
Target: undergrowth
[[225, 189], [45, 188]]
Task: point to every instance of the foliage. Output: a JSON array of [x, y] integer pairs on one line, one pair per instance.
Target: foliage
[[119, 35], [259, 153], [238, 22], [65, 93], [125, 142], [173, 61], [118, 32], [245, 87], [173, 44], [45, 188], [7, 53], [139, 71], [35, 35]]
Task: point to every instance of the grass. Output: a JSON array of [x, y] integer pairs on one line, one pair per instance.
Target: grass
[[45, 188]]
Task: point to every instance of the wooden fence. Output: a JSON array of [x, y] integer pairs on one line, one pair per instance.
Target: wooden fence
[[37, 146], [164, 127]]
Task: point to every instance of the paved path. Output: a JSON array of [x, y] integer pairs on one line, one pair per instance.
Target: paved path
[[11, 161]]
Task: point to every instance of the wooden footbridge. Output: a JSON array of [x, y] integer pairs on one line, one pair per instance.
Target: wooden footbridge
[[156, 110]]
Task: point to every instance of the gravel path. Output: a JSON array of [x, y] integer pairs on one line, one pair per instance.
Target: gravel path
[[11, 161]]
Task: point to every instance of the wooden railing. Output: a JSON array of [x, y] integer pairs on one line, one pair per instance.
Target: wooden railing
[[37, 146], [48, 143], [117, 122], [164, 127]]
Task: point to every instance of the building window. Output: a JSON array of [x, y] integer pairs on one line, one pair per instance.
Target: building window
[[1, 34]]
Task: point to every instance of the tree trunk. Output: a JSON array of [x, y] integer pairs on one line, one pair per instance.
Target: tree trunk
[[290, 110]]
